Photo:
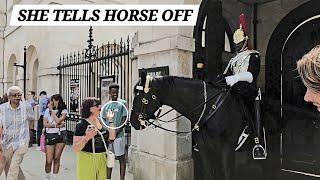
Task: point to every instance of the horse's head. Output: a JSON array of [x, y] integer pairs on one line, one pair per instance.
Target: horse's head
[[145, 103]]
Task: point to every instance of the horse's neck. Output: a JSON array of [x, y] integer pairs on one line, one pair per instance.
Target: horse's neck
[[182, 95]]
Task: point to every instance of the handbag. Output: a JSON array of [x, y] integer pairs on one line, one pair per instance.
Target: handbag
[[110, 155], [110, 158], [43, 143]]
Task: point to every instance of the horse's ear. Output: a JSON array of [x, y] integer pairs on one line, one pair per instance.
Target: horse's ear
[[143, 76]]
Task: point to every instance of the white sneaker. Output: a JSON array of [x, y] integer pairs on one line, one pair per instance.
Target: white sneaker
[[47, 177], [39, 148]]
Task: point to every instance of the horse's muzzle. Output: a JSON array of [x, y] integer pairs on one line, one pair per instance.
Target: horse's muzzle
[[134, 120]]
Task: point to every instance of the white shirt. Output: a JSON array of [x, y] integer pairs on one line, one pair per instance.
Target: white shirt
[[15, 124], [51, 121]]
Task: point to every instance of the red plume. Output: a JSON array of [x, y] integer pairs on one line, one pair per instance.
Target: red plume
[[243, 22]]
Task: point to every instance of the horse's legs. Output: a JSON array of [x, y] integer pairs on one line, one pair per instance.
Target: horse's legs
[[217, 156], [228, 161], [223, 158], [207, 157], [227, 158]]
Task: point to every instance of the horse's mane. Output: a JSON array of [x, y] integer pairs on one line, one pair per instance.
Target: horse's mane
[[178, 81], [169, 82], [175, 81]]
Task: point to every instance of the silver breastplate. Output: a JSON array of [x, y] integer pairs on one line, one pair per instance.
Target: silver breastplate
[[240, 62]]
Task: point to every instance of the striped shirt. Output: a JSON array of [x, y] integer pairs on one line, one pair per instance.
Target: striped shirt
[[15, 125]]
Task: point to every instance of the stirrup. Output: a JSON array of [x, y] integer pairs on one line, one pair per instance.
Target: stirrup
[[262, 155], [242, 139]]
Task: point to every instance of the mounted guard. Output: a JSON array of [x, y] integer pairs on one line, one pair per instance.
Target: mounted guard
[[241, 74]]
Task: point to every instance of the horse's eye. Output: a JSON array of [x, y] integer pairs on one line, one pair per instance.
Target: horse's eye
[[137, 94]]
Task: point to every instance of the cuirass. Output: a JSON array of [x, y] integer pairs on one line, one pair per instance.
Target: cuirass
[[240, 62]]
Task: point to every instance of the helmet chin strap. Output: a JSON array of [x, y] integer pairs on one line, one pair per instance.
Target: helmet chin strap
[[244, 46]]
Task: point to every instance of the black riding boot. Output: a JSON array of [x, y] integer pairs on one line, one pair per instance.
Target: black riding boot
[[258, 151]]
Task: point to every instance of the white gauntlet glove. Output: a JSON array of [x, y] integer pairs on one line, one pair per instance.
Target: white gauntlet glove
[[244, 76], [231, 80]]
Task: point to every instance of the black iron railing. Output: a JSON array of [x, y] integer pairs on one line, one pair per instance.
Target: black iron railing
[[88, 73]]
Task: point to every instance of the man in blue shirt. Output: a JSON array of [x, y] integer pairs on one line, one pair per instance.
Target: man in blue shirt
[[43, 101], [120, 115]]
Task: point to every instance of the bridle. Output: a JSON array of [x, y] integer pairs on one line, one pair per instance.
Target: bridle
[[144, 117]]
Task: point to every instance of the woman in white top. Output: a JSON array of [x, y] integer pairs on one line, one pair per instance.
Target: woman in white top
[[53, 121]]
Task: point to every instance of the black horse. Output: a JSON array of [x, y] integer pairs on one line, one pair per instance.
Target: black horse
[[217, 137]]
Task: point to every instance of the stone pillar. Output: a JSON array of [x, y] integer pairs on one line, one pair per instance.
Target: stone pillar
[[3, 24], [154, 153], [2, 90]]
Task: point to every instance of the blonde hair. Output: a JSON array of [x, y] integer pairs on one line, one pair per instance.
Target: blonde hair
[[309, 69]]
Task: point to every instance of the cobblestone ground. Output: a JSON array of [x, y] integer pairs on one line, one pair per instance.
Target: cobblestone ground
[[34, 160]]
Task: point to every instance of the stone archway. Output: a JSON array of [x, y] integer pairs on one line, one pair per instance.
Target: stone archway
[[12, 71], [34, 76], [295, 35], [213, 40], [278, 41], [32, 68]]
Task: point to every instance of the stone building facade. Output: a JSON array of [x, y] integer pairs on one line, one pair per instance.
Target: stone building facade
[[154, 154]]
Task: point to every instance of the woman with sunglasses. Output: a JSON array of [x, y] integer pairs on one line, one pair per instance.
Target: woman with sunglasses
[[53, 121], [90, 141]]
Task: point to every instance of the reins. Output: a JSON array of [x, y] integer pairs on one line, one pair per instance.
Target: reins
[[143, 120]]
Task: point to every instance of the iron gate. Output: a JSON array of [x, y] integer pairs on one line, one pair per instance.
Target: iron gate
[[87, 73]]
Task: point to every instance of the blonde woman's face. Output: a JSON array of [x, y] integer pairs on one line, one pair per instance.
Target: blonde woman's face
[[313, 97]]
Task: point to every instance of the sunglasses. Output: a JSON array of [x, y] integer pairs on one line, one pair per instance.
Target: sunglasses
[[16, 95]]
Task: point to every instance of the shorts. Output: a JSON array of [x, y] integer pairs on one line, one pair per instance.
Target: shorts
[[55, 138], [118, 146]]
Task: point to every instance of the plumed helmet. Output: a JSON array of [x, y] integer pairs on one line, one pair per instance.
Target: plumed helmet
[[241, 33]]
